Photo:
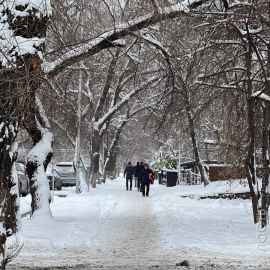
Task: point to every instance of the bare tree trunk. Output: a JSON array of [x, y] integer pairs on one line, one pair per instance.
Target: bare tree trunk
[[6, 184], [110, 165], [96, 136], [94, 172], [39, 157], [23, 78], [13, 208], [9, 112], [265, 201], [265, 177], [14, 215], [36, 124], [250, 163], [36, 167], [204, 176]]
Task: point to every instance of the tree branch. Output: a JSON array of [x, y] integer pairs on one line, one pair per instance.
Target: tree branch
[[107, 85], [106, 40], [98, 125]]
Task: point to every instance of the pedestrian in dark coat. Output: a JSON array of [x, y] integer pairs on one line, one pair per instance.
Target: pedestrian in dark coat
[[128, 173], [136, 174], [145, 178], [139, 169]]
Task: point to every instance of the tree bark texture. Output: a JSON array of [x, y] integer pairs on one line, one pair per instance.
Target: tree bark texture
[[8, 132], [94, 171]]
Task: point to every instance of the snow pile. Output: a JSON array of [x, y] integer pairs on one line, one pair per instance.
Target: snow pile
[[222, 225], [214, 188]]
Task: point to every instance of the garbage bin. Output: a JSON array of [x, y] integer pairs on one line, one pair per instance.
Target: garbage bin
[[171, 178], [159, 178]]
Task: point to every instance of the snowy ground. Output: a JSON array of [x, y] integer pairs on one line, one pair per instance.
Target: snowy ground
[[111, 228]]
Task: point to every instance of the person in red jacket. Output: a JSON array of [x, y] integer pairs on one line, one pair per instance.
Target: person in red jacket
[[145, 178]]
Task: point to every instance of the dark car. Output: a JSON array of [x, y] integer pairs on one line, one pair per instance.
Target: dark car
[[57, 178], [23, 180], [67, 173]]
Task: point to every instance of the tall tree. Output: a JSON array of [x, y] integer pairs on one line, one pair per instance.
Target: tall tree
[[22, 31]]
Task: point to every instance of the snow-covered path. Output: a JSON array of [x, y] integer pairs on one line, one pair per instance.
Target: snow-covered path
[[128, 230], [111, 228]]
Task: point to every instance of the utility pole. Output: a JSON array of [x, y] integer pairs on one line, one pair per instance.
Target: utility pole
[[179, 164], [78, 139], [52, 200], [102, 155], [79, 117], [160, 153]]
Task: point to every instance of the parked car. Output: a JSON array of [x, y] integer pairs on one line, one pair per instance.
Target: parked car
[[57, 178], [67, 173], [23, 180]]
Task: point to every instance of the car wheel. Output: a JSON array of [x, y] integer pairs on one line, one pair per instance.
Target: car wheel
[[26, 191], [59, 187]]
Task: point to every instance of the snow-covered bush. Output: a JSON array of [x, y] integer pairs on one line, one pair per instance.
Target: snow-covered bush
[[167, 163]]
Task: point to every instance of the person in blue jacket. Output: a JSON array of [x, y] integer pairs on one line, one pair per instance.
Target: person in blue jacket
[[145, 178], [139, 169]]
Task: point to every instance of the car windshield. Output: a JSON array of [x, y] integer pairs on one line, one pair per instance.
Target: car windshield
[[64, 168]]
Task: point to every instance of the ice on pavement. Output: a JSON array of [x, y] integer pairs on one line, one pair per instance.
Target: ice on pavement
[[111, 226]]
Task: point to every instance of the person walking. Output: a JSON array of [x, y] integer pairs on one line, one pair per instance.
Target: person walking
[[135, 169], [128, 173], [145, 178], [139, 169]]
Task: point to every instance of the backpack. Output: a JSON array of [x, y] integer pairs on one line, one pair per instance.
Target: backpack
[[151, 178]]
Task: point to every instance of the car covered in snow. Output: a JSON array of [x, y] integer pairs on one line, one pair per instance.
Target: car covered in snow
[[67, 173], [57, 178], [23, 180]]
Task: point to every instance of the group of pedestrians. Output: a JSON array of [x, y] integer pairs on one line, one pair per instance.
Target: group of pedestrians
[[143, 177]]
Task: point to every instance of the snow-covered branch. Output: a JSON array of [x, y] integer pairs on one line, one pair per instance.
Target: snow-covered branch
[[106, 40], [261, 95], [98, 125]]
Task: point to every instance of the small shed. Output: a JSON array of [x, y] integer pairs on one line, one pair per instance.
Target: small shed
[[215, 170]]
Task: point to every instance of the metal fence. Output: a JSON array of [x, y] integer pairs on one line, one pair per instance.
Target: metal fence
[[187, 177], [190, 178]]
